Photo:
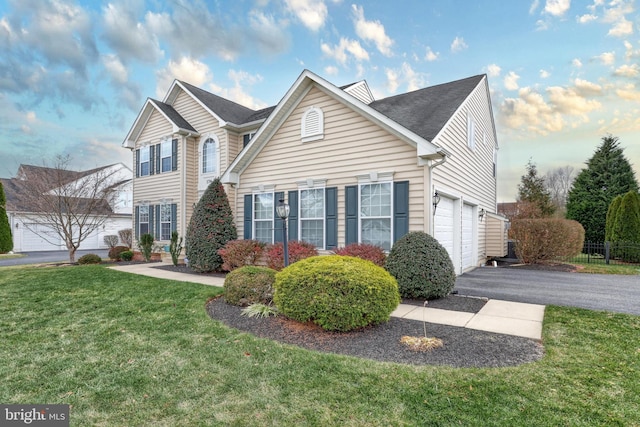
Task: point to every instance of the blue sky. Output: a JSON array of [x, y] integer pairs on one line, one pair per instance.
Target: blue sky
[[75, 73]]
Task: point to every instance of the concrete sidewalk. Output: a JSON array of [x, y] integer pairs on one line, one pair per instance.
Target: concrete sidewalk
[[502, 317]]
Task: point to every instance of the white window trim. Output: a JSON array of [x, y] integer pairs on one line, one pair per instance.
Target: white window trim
[[162, 207], [145, 149], [471, 132], [324, 208], [140, 233], [201, 156], [262, 190], [315, 134], [166, 142], [372, 179]]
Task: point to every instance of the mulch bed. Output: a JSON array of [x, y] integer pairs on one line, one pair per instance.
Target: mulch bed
[[462, 347], [181, 268]]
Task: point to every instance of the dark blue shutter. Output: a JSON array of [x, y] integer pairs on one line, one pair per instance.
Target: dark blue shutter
[[137, 163], [293, 215], [137, 219], [174, 217], [151, 219], [157, 224], [245, 139], [248, 216], [152, 157], [351, 214], [174, 155], [331, 217], [400, 209], [158, 158], [277, 223]]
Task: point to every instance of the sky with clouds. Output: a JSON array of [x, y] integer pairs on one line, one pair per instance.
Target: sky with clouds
[[75, 73]]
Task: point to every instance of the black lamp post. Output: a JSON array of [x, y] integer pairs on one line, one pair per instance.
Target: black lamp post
[[436, 200], [283, 212]]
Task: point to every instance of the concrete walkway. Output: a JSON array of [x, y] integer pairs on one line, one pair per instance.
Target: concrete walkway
[[502, 317]]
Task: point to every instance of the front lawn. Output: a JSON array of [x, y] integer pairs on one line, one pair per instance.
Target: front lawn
[[131, 350]]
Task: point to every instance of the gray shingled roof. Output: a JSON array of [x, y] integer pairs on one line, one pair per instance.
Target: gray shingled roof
[[426, 111], [173, 115], [229, 111]]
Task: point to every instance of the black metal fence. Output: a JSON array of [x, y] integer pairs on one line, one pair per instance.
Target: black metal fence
[[621, 253]]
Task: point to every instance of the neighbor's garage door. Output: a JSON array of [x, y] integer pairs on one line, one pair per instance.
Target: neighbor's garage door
[[467, 237], [444, 225], [33, 238]]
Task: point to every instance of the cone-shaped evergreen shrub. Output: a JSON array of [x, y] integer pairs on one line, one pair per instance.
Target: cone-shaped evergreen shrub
[[611, 233], [422, 266], [6, 241], [210, 228]]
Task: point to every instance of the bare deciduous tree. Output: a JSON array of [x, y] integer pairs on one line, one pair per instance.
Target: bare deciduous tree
[[67, 205], [558, 182]]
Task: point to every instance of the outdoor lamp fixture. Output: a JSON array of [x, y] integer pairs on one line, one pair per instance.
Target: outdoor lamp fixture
[[283, 212], [481, 214], [436, 200]]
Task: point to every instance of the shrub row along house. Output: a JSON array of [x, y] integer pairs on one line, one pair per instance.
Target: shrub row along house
[[352, 169]]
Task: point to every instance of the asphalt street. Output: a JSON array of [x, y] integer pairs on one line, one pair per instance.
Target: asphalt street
[[50, 256], [615, 293]]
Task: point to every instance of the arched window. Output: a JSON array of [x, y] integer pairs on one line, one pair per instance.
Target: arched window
[[209, 156], [312, 126]]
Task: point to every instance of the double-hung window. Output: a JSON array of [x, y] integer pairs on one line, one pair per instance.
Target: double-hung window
[[376, 210], [165, 159], [312, 216], [263, 217], [143, 220], [165, 222], [145, 163]]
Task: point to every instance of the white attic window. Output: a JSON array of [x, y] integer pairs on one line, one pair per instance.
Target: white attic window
[[312, 126]]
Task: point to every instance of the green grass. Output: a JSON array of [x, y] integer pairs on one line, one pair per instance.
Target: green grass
[[629, 270], [136, 351]]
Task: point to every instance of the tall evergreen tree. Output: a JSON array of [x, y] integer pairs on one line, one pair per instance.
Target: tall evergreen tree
[[611, 231], [627, 220], [6, 241], [533, 191], [607, 175], [210, 228]]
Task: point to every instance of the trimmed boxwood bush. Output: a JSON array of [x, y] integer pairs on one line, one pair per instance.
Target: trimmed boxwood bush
[[372, 253], [422, 266], [126, 255], [297, 250], [89, 259], [249, 285], [336, 292], [116, 251]]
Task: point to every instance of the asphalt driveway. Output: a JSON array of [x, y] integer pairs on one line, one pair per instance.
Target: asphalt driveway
[[615, 293], [50, 256]]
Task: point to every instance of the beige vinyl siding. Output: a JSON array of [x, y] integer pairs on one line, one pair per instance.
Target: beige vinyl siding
[[351, 146], [467, 173], [497, 240], [154, 188]]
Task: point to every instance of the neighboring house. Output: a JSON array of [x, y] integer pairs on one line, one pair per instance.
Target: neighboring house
[[352, 169], [26, 221]]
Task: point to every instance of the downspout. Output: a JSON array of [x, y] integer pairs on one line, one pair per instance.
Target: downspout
[[432, 166], [183, 185]]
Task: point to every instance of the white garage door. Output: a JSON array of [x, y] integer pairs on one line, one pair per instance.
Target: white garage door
[[92, 241], [33, 238], [467, 237], [443, 229]]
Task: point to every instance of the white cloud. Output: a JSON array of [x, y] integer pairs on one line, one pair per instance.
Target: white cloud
[[493, 70], [586, 18], [312, 13], [557, 7], [267, 33], [188, 69], [576, 63], [431, 55], [615, 14], [331, 70], [622, 28], [587, 88], [541, 25], [371, 31], [544, 74], [629, 92], [131, 39], [392, 80], [238, 92], [458, 45], [345, 47], [405, 75], [511, 81], [607, 58], [116, 70], [534, 7], [627, 70]]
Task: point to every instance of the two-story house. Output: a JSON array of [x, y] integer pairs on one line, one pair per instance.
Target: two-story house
[[351, 168]]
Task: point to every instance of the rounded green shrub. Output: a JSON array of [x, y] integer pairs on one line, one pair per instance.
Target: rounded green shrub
[[338, 293], [89, 259], [249, 285], [422, 266], [126, 255]]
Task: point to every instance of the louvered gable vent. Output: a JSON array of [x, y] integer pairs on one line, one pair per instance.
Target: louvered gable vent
[[312, 127]]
